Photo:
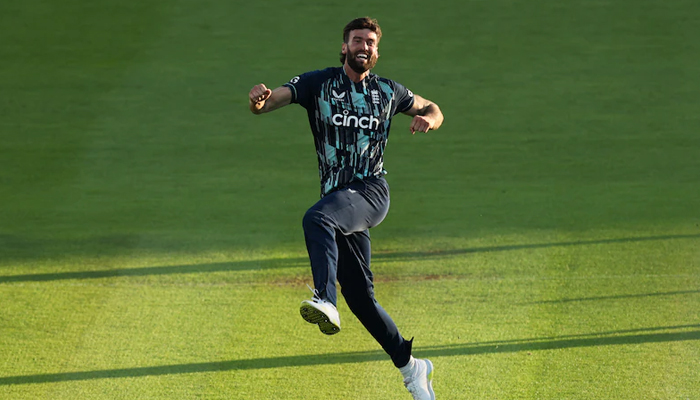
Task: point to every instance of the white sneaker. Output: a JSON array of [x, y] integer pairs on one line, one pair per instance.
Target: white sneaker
[[419, 381], [321, 312]]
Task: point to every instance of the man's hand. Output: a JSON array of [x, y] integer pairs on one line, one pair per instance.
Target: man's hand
[[258, 95], [426, 115], [421, 123], [264, 100]]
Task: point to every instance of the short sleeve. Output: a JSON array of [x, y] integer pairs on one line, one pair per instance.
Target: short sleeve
[[404, 98], [304, 87]]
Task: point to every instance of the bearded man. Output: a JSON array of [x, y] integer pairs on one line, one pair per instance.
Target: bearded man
[[350, 111]]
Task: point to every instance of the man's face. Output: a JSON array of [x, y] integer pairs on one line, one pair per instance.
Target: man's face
[[361, 50]]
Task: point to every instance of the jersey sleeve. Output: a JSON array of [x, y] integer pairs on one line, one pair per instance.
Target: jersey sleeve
[[404, 98], [304, 87]]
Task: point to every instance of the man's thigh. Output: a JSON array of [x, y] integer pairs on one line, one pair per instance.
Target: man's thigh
[[354, 208]]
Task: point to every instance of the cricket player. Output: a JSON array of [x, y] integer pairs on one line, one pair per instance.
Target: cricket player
[[350, 111]]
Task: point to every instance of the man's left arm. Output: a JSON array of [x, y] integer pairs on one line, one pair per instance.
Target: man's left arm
[[426, 115]]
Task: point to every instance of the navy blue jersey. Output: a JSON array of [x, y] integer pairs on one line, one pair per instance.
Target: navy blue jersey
[[350, 122]]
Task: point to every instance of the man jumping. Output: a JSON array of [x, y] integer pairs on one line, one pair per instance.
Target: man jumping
[[350, 112]]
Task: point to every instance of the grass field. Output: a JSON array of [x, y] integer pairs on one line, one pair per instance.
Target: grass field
[[544, 244]]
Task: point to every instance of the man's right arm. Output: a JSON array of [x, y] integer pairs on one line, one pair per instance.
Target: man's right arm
[[262, 99]]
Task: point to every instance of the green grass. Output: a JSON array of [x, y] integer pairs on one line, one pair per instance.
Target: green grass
[[542, 245]]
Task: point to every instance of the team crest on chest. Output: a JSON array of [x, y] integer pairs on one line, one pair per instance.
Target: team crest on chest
[[376, 99]]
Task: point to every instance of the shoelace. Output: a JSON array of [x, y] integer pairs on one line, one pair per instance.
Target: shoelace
[[413, 387], [413, 384], [314, 291]]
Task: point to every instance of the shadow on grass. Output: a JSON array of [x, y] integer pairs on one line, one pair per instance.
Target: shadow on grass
[[167, 270], [298, 262], [622, 296], [487, 249], [612, 338]]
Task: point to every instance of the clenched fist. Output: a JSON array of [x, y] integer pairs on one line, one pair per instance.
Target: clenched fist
[[421, 123], [258, 95]]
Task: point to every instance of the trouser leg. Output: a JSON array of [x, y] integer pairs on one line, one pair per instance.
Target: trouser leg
[[356, 281], [338, 243], [355, 208], [320, 235]]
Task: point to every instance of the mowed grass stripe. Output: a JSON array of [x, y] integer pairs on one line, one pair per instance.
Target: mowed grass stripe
[[381, 257]]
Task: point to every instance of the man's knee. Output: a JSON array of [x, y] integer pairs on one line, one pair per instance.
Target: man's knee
[[314, 218]]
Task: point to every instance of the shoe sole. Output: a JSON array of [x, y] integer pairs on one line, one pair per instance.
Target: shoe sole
[[313, 315], [429, 364]]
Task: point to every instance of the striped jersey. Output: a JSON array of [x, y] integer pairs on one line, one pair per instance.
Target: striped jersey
[[350, 122]]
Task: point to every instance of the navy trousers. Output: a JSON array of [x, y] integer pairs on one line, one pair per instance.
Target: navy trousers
[[336, 230]]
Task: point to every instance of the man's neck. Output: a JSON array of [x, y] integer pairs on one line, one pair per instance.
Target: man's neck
[[354, 76]]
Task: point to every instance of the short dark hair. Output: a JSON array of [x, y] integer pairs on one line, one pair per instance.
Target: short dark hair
[[360, 23]]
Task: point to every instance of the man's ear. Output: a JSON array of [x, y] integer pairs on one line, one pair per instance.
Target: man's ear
[[344, 49]]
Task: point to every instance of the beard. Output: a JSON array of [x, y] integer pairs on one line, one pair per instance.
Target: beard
[[359, 67]]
